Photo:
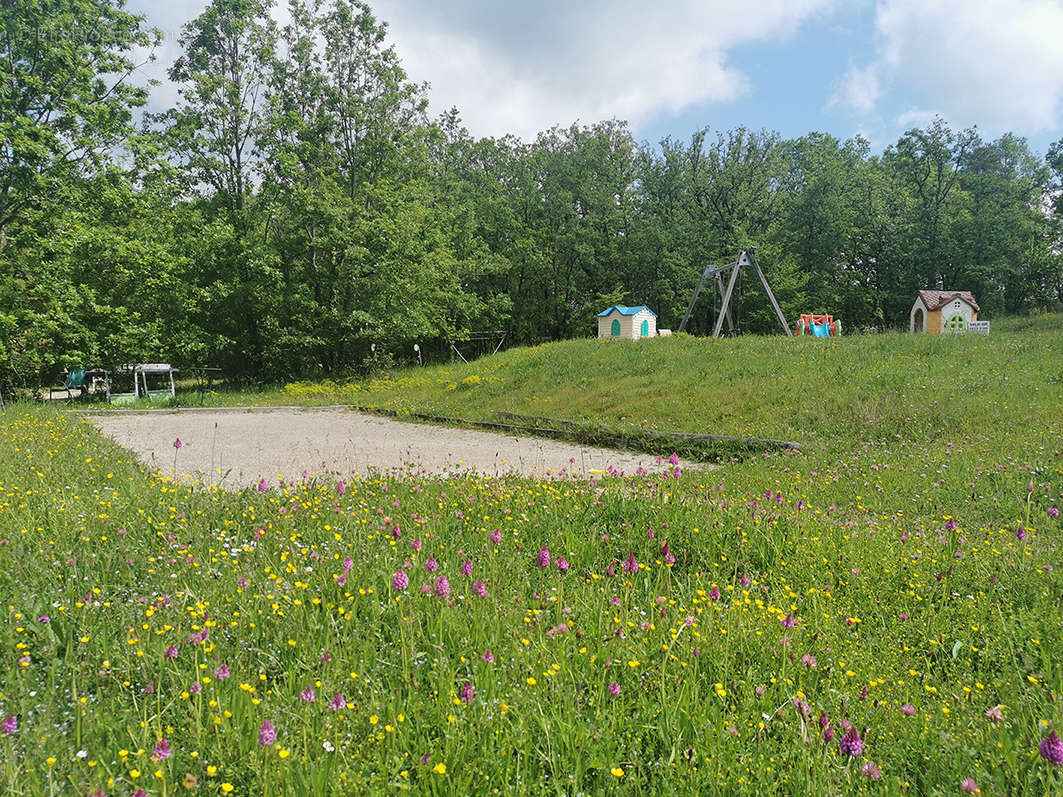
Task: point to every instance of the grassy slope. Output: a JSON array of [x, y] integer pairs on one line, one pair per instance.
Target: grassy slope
[[814, 391]]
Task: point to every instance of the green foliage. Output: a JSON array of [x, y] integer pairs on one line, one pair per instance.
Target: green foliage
[[297, 207]]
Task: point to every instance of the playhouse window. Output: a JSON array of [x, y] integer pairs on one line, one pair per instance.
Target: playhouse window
[[614, 329], [956, 323]]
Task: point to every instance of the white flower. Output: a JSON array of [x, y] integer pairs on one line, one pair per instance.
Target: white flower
[[329, 747], [82, 753]]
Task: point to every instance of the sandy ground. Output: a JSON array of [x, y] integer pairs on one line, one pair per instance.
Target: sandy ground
[[235, 448]]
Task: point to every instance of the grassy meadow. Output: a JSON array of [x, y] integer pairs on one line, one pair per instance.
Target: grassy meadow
[[877, 613]]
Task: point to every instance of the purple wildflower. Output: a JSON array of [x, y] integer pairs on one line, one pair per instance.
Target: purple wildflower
[[788, 621], [400, 581], [479, 589], [809, 661], [267, 734], [195, 688], [348, 563], [496, 536], [307, 695], [1053, 511], [562, 564], [745, 581], [341, 488], [488, 657], [871, 772], [543, 559], [614, 689], [823, 720], [466, 567], [714, 593], [969, 786], [431, 565], [162, 750], [10, 724], [851, 743], [442, 587], [44, 619], [466, 693], [1052, 749], [222, 671], [337, 703], [177, 443], [1020, 533], [416, 545], [171, 652], [673, 460], [630, 564], [907, 709], [828, 734], [262, 486]]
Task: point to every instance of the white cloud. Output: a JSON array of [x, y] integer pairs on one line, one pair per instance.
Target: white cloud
[[859, 89], [986, 62], [917, 117], [522, 67]]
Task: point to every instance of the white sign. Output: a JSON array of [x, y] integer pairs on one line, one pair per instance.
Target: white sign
[[978, 327]]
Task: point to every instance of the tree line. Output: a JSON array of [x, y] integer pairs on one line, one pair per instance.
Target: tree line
[[298, 212]]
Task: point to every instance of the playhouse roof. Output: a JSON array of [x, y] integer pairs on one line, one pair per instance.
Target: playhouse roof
[[626, 310], [935, 300]]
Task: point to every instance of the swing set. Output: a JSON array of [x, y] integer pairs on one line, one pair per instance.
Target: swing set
[[746, 258]]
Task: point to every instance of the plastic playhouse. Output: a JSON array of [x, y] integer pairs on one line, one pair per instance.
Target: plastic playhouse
[[818, 326]]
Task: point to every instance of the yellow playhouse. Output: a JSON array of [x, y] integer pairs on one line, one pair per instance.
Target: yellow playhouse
[[935, 312]]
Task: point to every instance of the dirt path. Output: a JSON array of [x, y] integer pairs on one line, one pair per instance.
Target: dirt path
[[235, 448]]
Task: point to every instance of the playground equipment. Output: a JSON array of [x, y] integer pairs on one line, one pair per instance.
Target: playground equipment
[[745, 258], [161, 373], [818, 325]]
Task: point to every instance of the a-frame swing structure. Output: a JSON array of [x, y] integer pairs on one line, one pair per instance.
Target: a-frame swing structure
[[747, 258]]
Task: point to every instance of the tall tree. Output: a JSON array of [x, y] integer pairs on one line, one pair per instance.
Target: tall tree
[[222, 80], [66, 103]]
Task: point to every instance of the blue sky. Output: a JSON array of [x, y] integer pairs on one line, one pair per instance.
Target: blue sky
[[873, 67]]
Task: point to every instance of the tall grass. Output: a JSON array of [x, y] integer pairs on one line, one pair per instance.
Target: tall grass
[[897, 580]]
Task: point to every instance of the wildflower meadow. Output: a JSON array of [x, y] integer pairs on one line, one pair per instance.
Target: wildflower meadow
[[879, 612]]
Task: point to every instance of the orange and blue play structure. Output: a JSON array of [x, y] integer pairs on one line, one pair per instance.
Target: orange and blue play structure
[[818, 325]]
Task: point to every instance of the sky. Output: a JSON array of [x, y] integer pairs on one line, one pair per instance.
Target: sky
[[671, 67]]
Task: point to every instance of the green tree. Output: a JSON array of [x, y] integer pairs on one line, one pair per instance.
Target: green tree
[[66, 103], [222, 80]]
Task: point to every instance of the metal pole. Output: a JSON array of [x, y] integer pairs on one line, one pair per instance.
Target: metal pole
[[725, 308], [771, 296], [730, 318], [690, 307]]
